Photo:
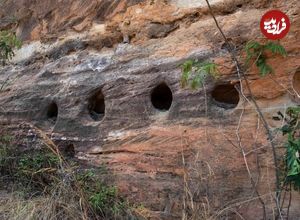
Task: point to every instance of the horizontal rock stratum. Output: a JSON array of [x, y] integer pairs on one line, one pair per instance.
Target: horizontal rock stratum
[[105, 77]]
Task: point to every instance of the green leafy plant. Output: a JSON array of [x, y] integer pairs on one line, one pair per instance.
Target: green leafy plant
[[293, 161], [8, 42], [34, 171], [194, 73], [258, 53], [37, 169], [103, 198], [291, 128]]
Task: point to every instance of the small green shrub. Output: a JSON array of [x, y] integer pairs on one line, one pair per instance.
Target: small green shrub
[[194, 73], [257, 52], [32, 163], [8, 42], [103, 198], [291, 169], [31, 170], [37, 170]]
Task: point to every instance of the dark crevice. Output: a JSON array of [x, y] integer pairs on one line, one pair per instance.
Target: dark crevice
[[161, 97], [225, 96], [96, 106], [52, 111], [69, 150]]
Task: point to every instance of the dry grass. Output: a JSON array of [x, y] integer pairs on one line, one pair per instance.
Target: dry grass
[[62, 204], [41, 184]]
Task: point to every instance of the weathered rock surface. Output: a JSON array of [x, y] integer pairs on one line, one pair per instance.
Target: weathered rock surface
[[74, 58]]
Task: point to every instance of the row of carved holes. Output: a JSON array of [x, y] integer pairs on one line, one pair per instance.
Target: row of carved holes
[[225, 96]]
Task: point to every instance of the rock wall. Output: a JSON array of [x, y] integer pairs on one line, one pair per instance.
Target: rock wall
[[104, 76]]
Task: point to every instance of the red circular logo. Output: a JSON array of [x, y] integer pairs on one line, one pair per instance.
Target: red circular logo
[[275, 24]]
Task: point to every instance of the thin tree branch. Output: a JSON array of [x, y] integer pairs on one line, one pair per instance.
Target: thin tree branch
[[242, 75]]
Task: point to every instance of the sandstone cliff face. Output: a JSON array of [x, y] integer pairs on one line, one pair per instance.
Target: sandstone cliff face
[[104, 76]]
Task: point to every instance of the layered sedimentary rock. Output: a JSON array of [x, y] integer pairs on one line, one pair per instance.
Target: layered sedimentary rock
[[104, 76]]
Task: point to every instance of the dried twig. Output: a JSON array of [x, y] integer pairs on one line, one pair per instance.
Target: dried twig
[[242, 76]]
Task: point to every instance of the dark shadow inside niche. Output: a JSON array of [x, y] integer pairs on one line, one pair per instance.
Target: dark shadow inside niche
[[296, 81], [96, 106], [52, 111], [226, 96], [69, 150], [161, 97]]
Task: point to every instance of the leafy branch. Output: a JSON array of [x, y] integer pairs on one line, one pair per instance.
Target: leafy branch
[[258, 52], [194, 73], [292, 158], [8, 42]]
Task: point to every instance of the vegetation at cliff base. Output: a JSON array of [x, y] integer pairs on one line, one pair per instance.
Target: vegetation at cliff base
[[41, 183]]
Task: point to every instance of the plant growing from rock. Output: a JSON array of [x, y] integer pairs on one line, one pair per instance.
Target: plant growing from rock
[[257, 52], [8, 42], [194, 73]]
